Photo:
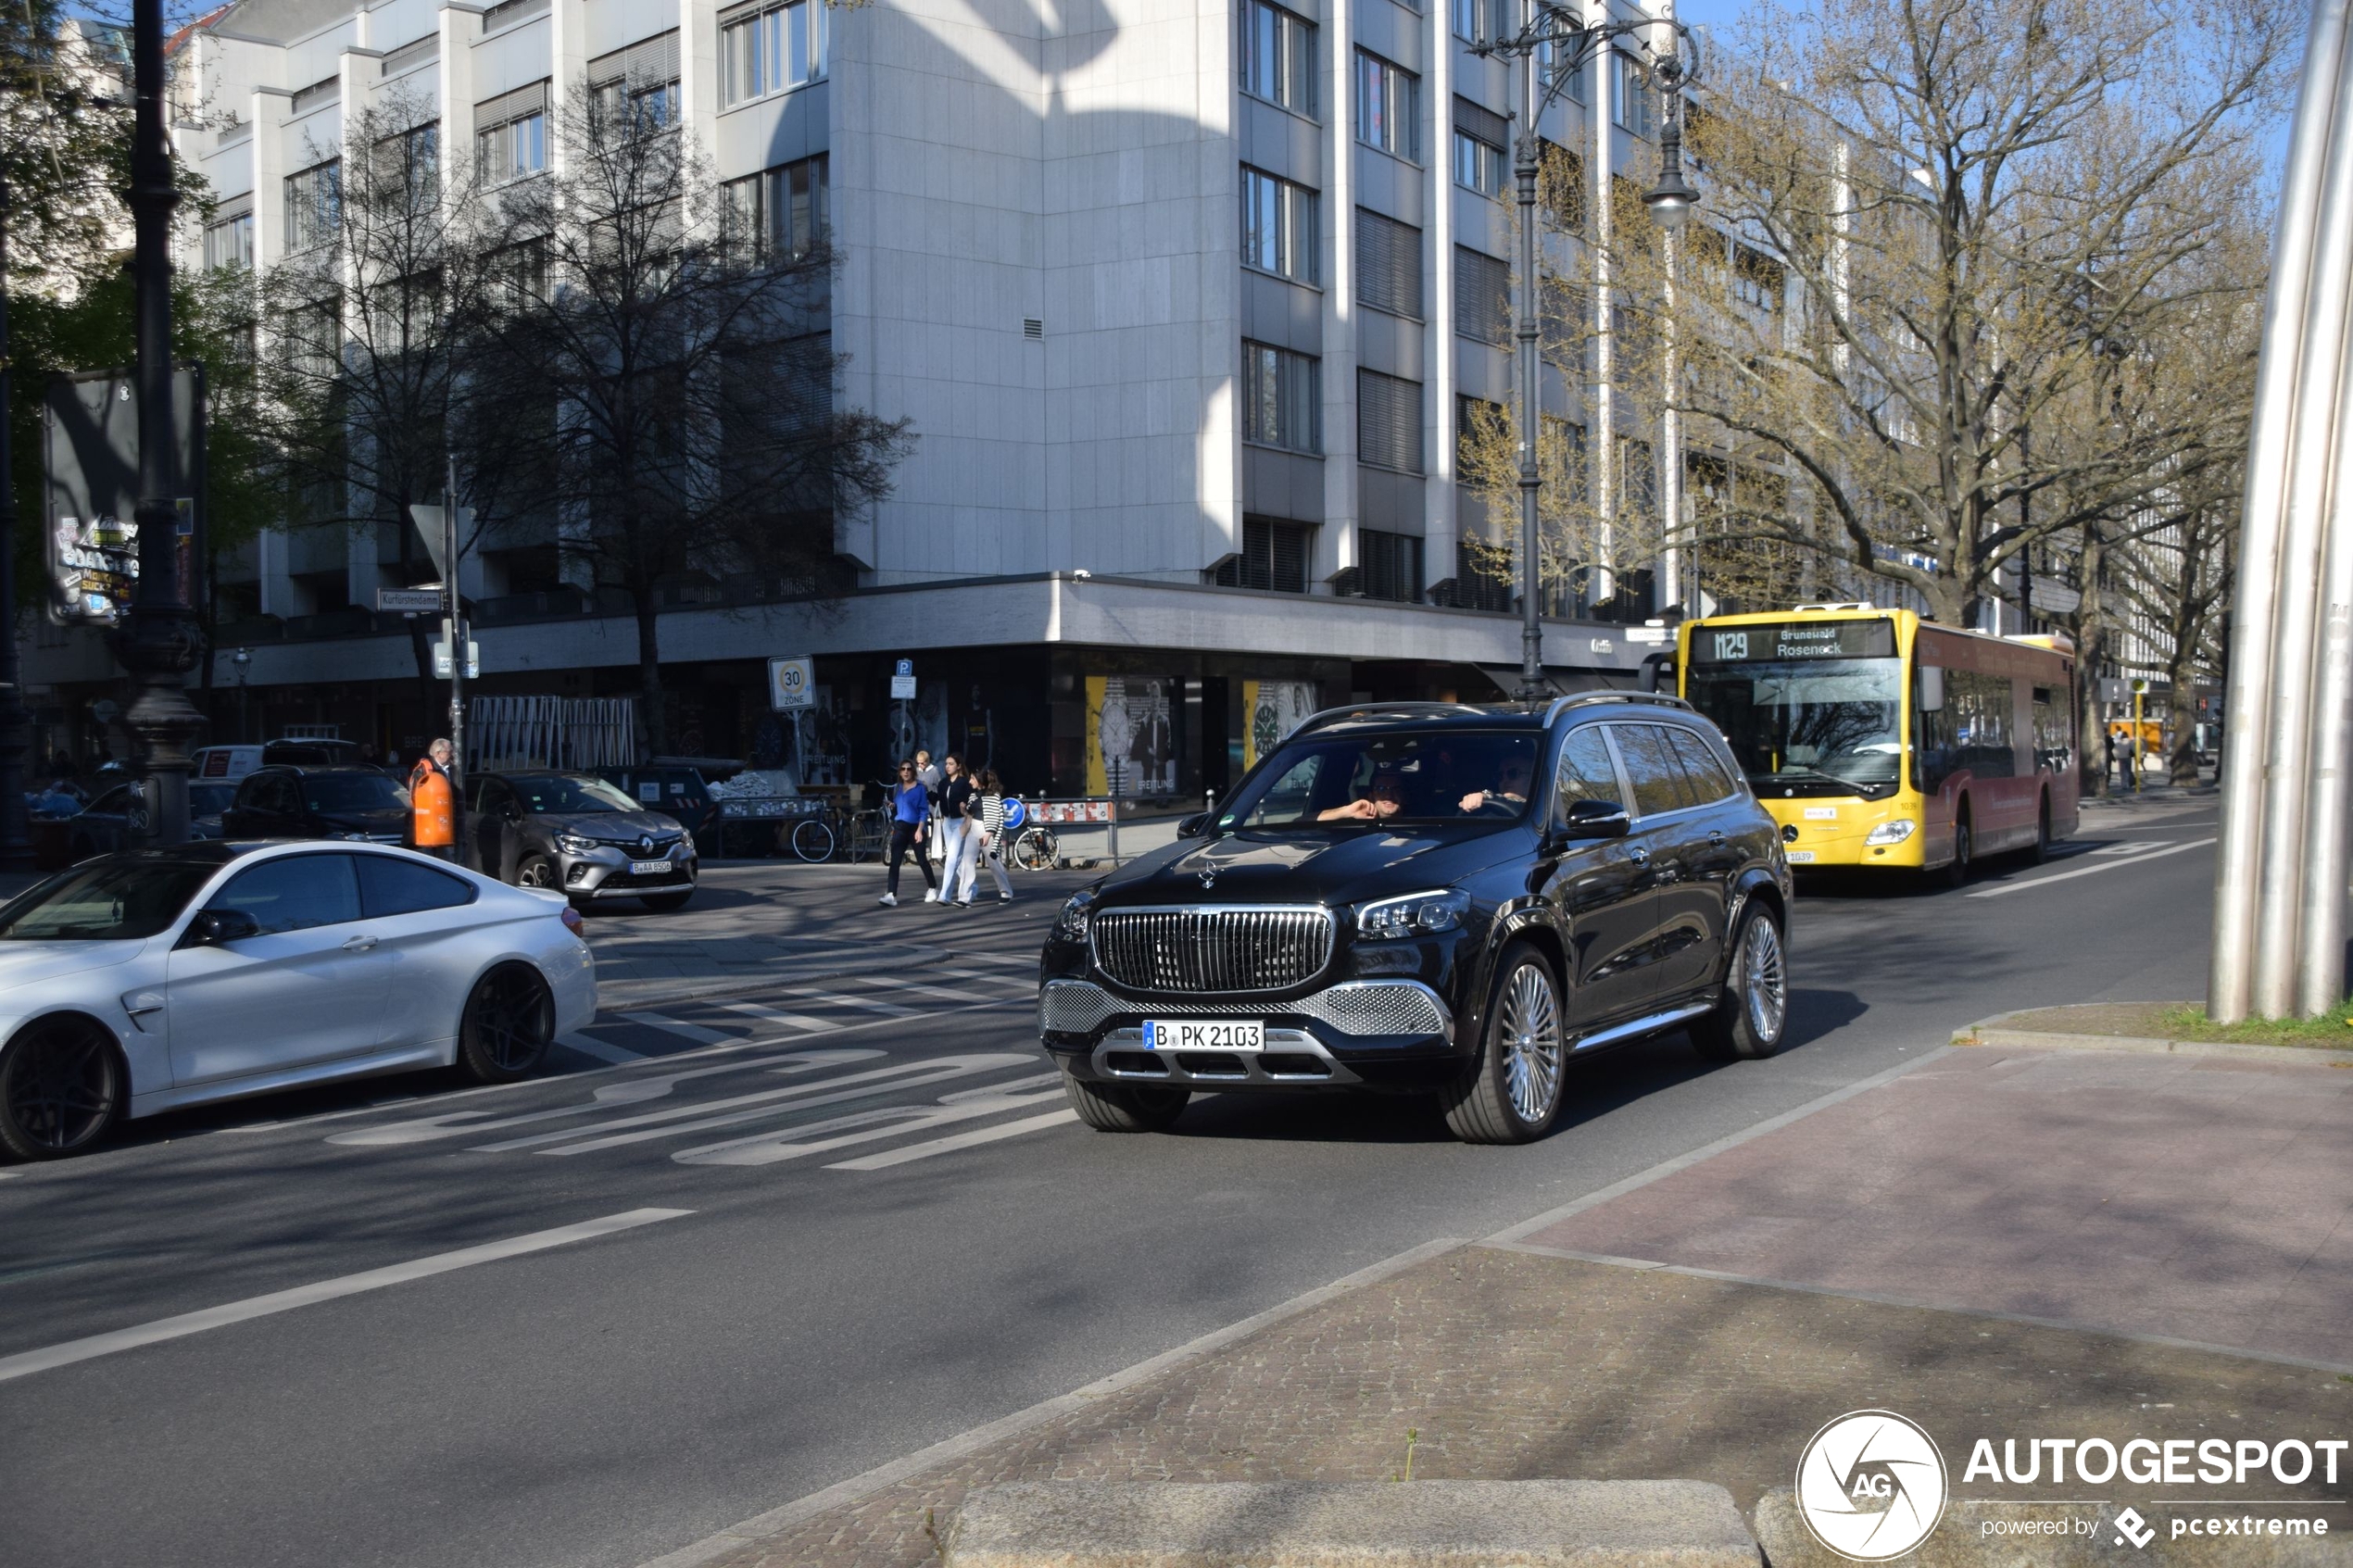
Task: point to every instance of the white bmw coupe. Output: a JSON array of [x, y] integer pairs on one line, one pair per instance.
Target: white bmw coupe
[[153, 979]]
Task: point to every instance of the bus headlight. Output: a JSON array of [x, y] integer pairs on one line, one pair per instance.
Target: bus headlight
[[1894, 831]]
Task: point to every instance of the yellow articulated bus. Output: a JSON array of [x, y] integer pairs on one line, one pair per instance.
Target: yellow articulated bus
[[1878, 739]]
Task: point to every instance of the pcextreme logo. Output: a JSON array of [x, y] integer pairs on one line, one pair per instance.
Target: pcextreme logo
[[1871, 1486]]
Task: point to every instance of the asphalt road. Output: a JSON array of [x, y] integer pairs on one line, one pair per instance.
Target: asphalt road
[[852, 1224]]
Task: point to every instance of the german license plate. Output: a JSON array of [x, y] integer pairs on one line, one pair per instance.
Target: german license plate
[[1206, 1035], [1801, 857], [648, 867]]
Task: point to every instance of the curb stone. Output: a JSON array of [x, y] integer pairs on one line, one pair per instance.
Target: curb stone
[[1990, 1032], [1959, 1541], [1348, 1525]]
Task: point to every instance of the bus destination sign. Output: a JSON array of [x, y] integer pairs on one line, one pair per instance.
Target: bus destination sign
[[1873, 638]]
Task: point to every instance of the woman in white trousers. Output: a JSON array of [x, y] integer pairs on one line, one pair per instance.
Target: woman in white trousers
[[985, 839]]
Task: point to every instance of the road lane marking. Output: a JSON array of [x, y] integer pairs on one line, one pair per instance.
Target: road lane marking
[[694, 1032], [589, 1046], [897, 985], [956, 1141], [854, 1085], [777, 1015], [2088, 870], [864, 1126], [27, 1362], [629, 1091]]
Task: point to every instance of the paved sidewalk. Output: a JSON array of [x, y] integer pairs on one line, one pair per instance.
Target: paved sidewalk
[[2197, 1202]]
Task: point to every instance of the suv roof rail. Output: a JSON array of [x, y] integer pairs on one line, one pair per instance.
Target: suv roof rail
[[1580, 699], [1359, 709]]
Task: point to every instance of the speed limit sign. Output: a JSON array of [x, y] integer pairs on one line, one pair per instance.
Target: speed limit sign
[[792, 683]]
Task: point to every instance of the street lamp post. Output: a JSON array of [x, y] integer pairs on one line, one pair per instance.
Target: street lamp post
[[1549, 31], [242, 665], [159, 641], [16, 830]]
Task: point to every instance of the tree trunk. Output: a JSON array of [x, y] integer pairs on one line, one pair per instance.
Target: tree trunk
[[649, 710]]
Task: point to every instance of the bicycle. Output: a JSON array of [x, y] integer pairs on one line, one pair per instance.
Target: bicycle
[[1035, 849], [813, 838]]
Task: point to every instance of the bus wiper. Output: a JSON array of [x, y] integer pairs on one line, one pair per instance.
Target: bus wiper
[[1856, 785]]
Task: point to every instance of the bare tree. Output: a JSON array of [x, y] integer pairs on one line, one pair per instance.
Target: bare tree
[[665, 347]]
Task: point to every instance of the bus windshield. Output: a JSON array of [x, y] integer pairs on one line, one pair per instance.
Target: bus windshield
[[1810, 727]]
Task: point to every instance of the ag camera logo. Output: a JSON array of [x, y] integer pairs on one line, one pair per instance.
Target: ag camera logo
[[1871, 1486]]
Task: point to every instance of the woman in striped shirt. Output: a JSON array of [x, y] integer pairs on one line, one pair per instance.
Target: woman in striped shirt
[[986, 840]]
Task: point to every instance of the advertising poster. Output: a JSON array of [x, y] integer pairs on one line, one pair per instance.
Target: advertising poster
[[1271, 710], [1131, 735]]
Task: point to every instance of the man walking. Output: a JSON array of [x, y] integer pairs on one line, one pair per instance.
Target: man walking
[[433, 814]]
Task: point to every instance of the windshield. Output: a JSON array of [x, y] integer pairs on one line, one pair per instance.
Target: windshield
[[555, 793], [353, 792], [103, 902], [209, 799], [1816, 726], [1429, 776]]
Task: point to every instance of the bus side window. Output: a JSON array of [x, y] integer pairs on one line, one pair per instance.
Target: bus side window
[[1933, 737]]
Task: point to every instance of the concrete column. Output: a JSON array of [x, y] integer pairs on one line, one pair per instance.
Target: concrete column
[[1336, 541], [1601, 443], [1438, 504]]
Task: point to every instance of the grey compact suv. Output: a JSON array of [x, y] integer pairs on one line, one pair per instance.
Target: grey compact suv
[[577, 834]]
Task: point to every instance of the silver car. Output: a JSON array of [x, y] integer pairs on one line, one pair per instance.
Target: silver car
[[579, 835], [160, 978]]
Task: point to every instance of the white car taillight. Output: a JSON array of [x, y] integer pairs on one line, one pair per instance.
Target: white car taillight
[[572, 923]]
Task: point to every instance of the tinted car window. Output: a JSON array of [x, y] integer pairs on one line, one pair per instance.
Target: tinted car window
[[558, 792], [1585, 772], [295, 893], [104, 901], [1652, 769], [1333, 780], [209, 799], [352, 792], [116, 800], [1701, 769], [389, 886]]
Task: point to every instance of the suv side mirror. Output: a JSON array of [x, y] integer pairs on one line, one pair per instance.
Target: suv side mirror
[[1597, 818], [1193, 826], [211, 928]]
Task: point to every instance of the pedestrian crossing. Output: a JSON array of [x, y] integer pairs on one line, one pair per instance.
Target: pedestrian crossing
[[758, 1082]]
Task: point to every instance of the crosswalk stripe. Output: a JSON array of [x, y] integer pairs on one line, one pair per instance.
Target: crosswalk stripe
[[588, 1045], [694, 1032], [768, 1149], [869, 1003], [897, 985], [955, 1141], [777, 1015]]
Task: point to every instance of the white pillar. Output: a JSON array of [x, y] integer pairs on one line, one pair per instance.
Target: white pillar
[[1336, 541]]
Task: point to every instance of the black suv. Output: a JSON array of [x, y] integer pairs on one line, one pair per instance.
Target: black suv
[[1431, 898], [326, 800]]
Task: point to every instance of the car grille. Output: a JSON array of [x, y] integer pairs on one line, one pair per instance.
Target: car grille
[[1215, 950]]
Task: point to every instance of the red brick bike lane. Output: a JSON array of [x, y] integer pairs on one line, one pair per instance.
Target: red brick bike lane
[[2191, 1199]]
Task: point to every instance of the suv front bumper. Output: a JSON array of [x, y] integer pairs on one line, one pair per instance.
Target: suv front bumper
[[1344, 1034]]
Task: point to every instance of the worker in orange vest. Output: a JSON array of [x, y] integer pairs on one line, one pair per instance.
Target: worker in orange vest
[[433, 816]]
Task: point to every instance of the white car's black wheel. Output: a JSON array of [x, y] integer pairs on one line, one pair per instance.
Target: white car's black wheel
[[62, 1084], [1513, 1090], [510, 1022], [1123, 1108], [1751, 1019]]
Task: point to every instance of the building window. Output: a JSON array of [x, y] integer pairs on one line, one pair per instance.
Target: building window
[[1388, 422], [768, 51], [314, 205], [1477, 420], [228, 240], [1482, 297], [777, 214], [1388, 265], [1393, 566], [1387, 108], [1629, 96], [639, 84], [1282, 398], [411, 161], [1479, 166], [1279, 226], [1482, 579], [1273, 555], [1278, 57], [1479, 21], [1757, 278], [510, 135]]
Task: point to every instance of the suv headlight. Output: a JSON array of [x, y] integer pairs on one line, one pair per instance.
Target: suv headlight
[[573, 844], [1894, 831], [1072, 922], [1415, 914]]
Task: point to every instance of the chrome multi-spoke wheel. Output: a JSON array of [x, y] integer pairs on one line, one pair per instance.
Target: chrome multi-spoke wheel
[[1530, 1030], [60, 1084], [1513, 1091], [1753, 1012], [510, 1022]]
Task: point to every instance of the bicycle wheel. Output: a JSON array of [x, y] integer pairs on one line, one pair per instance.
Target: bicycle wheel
[[1036, 849], [812, 840]]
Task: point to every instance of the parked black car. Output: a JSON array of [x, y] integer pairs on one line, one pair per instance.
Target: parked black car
[[322, 800], [1431, 898], [576, 832]]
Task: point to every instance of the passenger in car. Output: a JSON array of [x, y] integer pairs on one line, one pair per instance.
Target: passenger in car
[[1383, 797], [1511, 787]]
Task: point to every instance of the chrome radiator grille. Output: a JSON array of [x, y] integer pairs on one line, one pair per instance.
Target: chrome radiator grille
[[1213, 951]]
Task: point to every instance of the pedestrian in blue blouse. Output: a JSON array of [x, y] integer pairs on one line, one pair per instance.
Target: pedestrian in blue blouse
[[910, 804]]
